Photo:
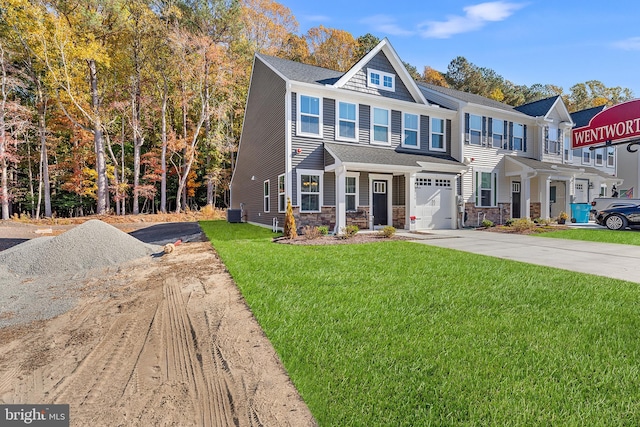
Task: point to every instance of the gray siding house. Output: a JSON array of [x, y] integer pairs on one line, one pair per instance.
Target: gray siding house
[[362, 147]]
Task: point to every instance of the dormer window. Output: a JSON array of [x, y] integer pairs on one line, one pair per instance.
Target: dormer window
[[381, 80]]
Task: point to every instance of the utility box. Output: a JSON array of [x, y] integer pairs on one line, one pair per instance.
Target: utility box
[[234, 215]]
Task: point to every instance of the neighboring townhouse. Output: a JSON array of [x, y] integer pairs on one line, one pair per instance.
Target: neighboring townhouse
[[372, 147], [363, 147]]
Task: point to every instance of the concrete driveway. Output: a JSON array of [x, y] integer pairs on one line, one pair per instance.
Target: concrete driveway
[[603, 259]]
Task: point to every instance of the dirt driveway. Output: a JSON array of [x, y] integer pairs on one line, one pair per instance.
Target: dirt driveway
[[158, 341]]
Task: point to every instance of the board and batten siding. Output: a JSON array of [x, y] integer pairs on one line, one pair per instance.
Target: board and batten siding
[[379, 62], [261, 152]]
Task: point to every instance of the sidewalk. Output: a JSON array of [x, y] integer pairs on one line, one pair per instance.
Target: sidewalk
[[602, 259]]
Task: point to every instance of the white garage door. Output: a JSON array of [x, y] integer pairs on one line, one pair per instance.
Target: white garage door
[[434, 201]]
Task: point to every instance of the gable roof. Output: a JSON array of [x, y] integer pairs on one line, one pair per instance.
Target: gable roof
[[401, 71], [468, 97], [297, 71], [583, 117], [538, 108]]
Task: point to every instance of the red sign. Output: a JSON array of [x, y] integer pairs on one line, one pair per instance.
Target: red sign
[[616, 123]]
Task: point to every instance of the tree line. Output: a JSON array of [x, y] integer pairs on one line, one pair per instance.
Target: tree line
[[134, 106]]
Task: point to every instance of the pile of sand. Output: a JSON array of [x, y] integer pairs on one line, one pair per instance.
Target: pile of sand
[[90, 245]]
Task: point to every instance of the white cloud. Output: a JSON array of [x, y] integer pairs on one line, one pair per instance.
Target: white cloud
[[476, 17], [386, 24], [632, 43]]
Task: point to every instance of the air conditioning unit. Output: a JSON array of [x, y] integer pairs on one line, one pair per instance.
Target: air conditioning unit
[[234, 215]]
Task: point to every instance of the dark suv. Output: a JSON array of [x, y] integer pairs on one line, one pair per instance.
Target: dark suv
[[620, 217]]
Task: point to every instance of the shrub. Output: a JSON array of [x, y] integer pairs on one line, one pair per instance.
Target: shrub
[[509, 222], [290, 231], [387, 232], [349, 231], [542, 221], [487, 223], [324, 230], [311, 233], [523, 224]]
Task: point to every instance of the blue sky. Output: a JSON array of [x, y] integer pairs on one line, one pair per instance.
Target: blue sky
[[560, 42]]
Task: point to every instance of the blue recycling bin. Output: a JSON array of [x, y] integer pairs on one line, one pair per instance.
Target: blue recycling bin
[[580, 211]]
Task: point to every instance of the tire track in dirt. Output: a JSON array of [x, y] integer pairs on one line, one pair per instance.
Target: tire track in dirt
[[163, 342]]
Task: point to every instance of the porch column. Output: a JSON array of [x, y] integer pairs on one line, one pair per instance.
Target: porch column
[[525, 196], [341, 206], [410, 200], [545, 205]]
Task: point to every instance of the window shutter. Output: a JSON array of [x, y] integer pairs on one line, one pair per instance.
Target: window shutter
[[546, 139], [510, 135], [484, 130], [525, 138], [495, 189], [466, 127], [490, 132], [477, 187], [505, 136]]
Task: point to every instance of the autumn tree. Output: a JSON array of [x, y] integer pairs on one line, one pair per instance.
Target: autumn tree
[[331, 48], [434, 77], [267, 25]]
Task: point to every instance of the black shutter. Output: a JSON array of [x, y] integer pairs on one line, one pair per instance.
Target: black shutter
[[490, 132], [466, 128], [505, 135], [525, 138], [510, 135], [484, 131]]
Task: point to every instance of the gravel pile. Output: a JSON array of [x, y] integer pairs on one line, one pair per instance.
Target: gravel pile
[[90, 245]]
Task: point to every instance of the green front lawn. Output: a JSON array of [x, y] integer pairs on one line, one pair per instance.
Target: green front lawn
[[604, 235], [403, 334]]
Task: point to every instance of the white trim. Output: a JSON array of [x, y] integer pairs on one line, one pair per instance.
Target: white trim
[[299, 132], [266, 196], [444, 135], [380, 85], [372, 140], [301, 172], [614, 157], [595, 156], [476, 187], [355, 175], [417, 130], [288, 153], [357, 122], [586, 150], [398, 66], [284, 193], [389, 179]]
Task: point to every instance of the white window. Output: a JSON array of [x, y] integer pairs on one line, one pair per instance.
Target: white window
[[475, 129], [611, 157], [437, 140], [599, 156], [586, 156], [568, 152], [347, 124], [351, 192], [498, 133], [282, 202], [380, 126], [266, 196], [486, 183], [309, 116], [518, 136], [309, 190], [381, 80], [410, 130]]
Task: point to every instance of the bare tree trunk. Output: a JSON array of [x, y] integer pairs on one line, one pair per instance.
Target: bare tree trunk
[[44, 157], [4, 186], [181, 197], [163, 158], [101, 165]]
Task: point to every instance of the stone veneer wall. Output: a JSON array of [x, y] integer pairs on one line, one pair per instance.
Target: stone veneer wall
[[536, 209], [359, 218], [326, 217], [399, 217], [492, 214]]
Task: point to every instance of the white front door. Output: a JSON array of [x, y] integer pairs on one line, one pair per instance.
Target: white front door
[[582, 191], [433, 202]]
